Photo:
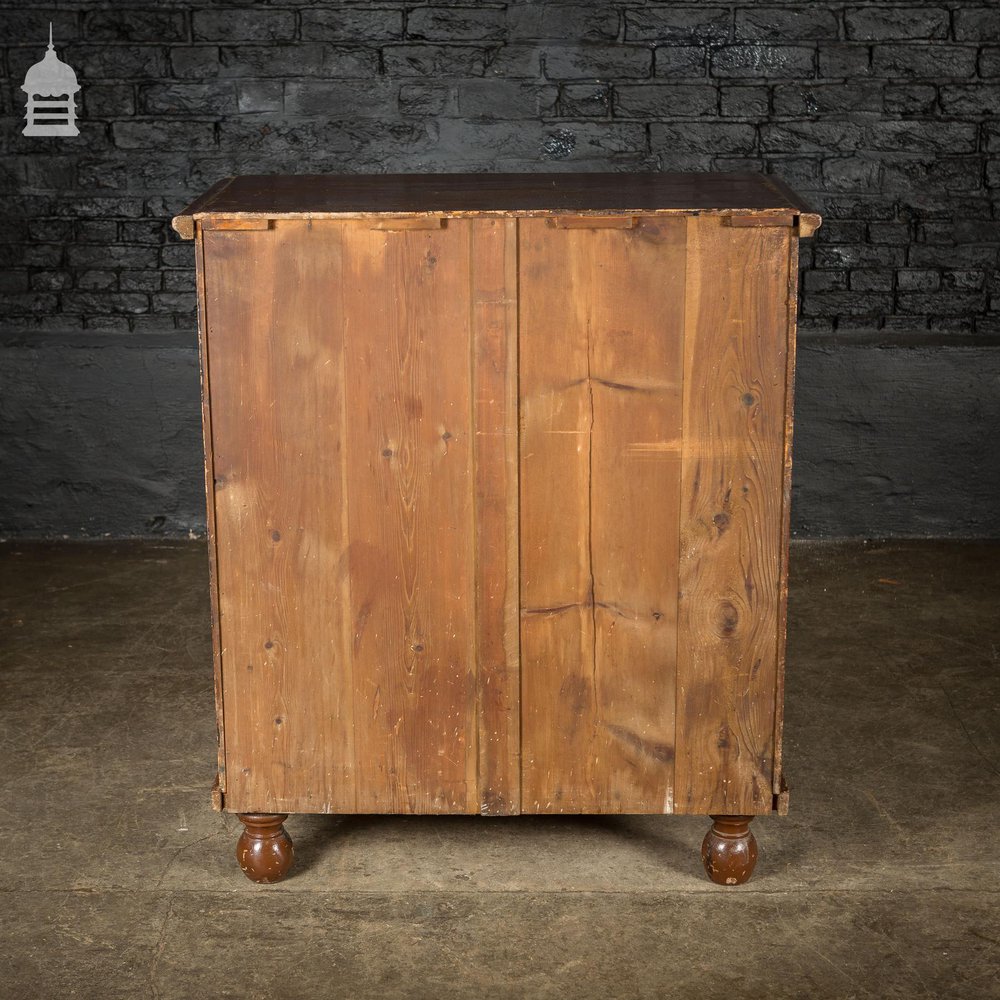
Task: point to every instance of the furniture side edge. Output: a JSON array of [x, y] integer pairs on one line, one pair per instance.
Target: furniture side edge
[[202, 211], [779, 787], [809, 222], [219, 786], [183, 223]]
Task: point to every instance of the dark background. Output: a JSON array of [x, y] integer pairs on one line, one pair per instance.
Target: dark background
[[883, 115]]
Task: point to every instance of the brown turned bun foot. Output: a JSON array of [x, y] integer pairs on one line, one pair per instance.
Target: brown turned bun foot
[[729, 851], [264, 850]]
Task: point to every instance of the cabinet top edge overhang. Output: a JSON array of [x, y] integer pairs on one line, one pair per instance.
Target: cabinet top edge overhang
[[346, 196]]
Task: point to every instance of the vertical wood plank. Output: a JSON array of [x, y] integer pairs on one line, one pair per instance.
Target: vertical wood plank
[[409, 451], [276, 381], [636, 371], [494, 377], [601, 315], [731, 516], [557, 637], [366, 534]]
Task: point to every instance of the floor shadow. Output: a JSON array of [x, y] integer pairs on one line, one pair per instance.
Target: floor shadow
[[668, 841]]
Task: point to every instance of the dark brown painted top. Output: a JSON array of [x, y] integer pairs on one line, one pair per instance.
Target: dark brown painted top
[[314, 195]]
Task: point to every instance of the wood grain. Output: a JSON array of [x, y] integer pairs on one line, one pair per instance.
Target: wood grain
[[364, 499], [494, 377], [600, 412], [498, 507], [277, 382], [409, 451], [731, 516], [222, 222]]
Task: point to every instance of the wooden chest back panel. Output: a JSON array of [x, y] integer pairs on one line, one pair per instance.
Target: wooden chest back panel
[[408, 438], [276, 381], [339, 361], [499, 512], [601, 339], [732, 520], [494, 382]]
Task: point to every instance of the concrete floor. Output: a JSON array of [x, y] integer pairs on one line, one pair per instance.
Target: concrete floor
[[118, 880]]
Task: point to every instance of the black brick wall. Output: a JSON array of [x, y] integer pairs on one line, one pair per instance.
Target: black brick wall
[[884, 115]]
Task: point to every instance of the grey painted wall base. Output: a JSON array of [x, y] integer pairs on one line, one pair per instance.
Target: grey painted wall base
[[100, 439], [897, 442], [105, 439]]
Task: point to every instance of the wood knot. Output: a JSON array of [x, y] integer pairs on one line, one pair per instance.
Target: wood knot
[[721, 522], [727, 618], [275, 536]]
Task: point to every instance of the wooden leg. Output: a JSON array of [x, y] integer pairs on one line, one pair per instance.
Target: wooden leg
[[729, 851], [264, 849]]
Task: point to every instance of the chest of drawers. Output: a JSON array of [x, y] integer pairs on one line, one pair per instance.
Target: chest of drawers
[[498, 479]]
